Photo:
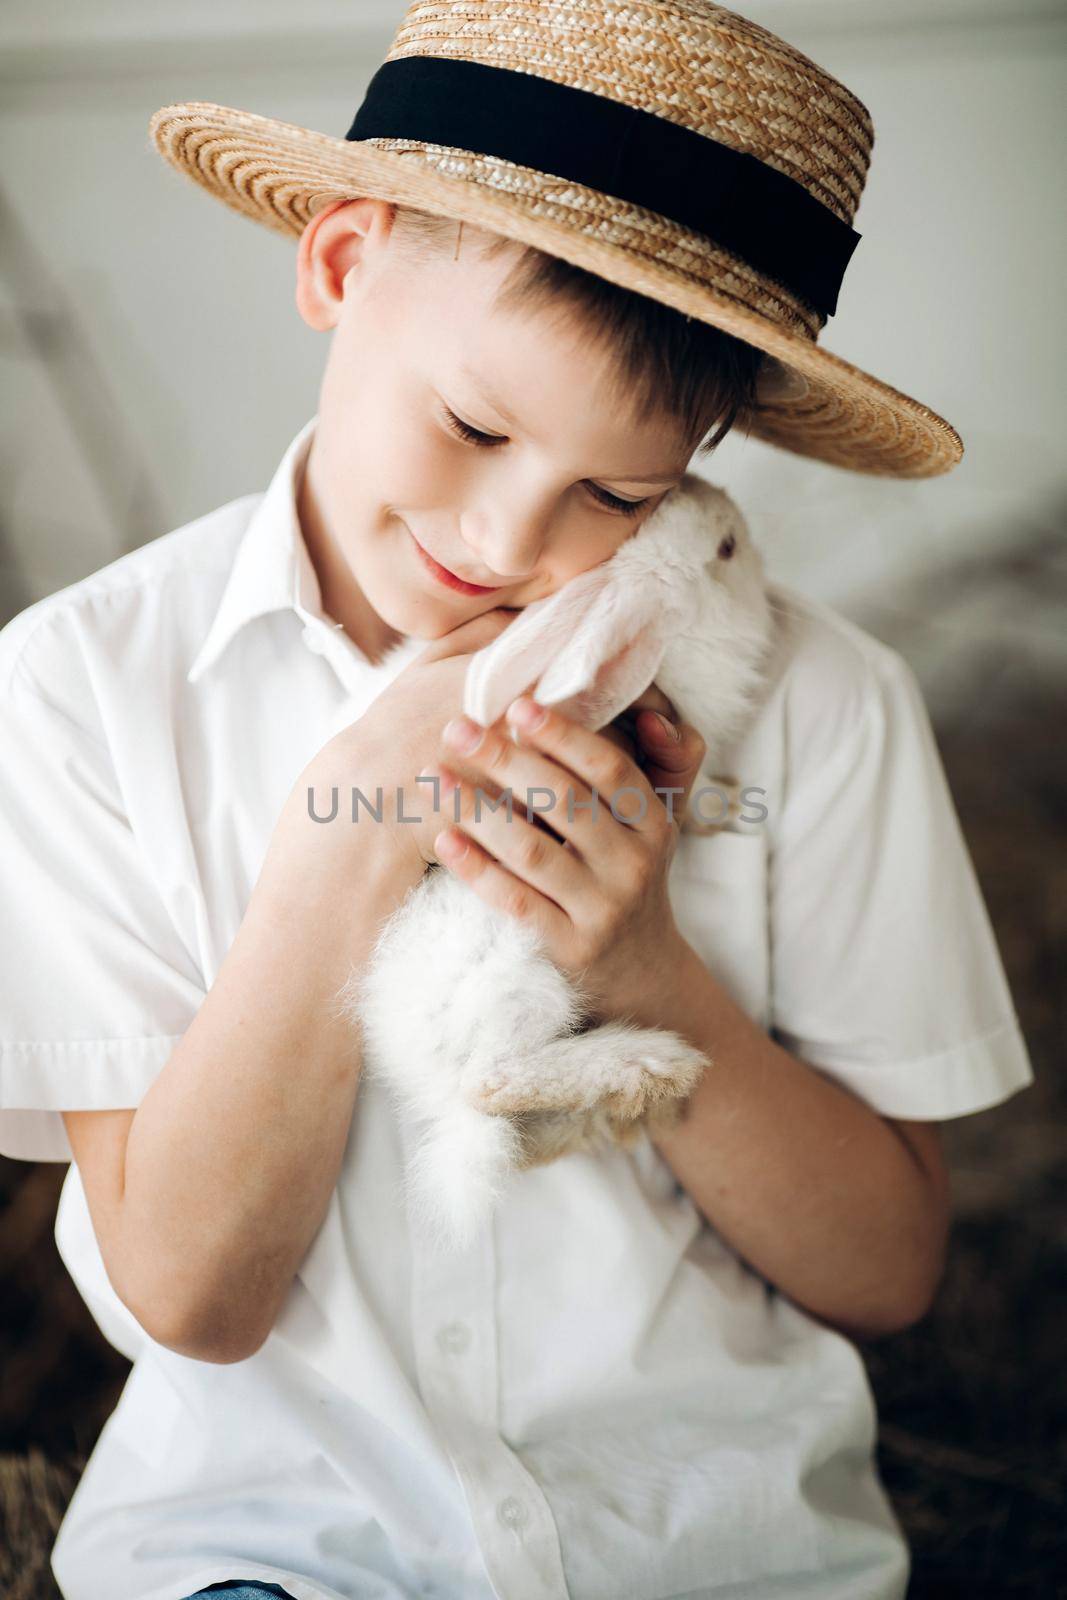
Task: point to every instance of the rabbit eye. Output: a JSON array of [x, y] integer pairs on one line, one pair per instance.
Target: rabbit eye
[[727, 547]]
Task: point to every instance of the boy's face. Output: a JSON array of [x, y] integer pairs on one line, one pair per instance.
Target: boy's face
[[416, 346]]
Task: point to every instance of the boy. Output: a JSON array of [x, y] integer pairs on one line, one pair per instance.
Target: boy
[[640, 1382]]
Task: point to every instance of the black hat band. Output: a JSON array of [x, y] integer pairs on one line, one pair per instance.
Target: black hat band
[[736, 200]]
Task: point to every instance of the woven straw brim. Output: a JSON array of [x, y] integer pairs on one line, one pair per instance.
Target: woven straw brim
[[816, 404]]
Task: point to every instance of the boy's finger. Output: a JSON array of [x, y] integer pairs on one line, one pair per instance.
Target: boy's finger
[[669, 761], [654, 698]]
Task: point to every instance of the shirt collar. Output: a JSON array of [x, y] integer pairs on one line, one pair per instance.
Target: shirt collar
[[272, 571]]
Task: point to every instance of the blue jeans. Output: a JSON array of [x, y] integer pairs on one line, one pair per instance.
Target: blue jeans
[[238, 1589]]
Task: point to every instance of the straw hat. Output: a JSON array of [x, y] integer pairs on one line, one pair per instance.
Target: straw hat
[[670, 146]]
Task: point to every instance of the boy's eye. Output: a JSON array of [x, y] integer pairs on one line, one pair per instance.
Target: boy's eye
[[469, 435], [629, 508]]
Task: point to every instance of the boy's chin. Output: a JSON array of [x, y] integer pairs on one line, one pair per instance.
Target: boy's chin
[[416, 617]]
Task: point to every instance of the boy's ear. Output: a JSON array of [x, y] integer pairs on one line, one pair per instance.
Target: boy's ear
[[332, 243]]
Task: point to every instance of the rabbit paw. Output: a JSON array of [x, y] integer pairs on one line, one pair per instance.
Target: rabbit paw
[[625, 1071], [499, 1094], [660, 1071]]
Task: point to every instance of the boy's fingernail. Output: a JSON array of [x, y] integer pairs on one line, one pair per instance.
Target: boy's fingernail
[[463, 734], [526, 712], [446, 782], [668, 727]]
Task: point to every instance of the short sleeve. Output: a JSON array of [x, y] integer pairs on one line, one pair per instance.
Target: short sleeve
[[885, 971], [96, 987]]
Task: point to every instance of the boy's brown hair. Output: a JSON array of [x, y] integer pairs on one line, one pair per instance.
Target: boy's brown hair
[[678, 364]]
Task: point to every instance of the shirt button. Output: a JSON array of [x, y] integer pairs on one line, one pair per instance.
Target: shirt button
[[454, 1337], [313, 642], [512, 1512]]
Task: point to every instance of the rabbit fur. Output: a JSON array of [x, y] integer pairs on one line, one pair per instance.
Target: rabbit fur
[[481, 1039]]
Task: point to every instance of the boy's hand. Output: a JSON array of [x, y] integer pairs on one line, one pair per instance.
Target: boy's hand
[[383, 750], [667, 763], [593, 885]]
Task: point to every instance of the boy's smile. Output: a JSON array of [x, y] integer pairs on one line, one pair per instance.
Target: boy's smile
[[496, 444], [450, 579]]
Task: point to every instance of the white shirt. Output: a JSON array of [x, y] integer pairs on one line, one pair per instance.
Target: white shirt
[[599, 1399]]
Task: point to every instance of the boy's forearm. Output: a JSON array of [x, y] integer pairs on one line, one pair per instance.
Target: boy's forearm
[[805, 1181], [236, 1146]]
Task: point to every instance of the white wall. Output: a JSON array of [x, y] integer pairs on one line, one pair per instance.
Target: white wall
[[156, 366]]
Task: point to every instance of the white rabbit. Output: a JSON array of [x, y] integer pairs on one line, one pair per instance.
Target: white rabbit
[[480, 1037]]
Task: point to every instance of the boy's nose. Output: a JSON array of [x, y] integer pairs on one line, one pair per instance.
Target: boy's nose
[[511, 548]]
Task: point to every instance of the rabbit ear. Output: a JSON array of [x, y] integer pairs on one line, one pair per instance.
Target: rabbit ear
[[517, 657], [593, 688], [591, 649]]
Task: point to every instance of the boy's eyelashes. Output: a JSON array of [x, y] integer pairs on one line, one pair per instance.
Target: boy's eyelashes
[[489, 441], [472, 435]]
